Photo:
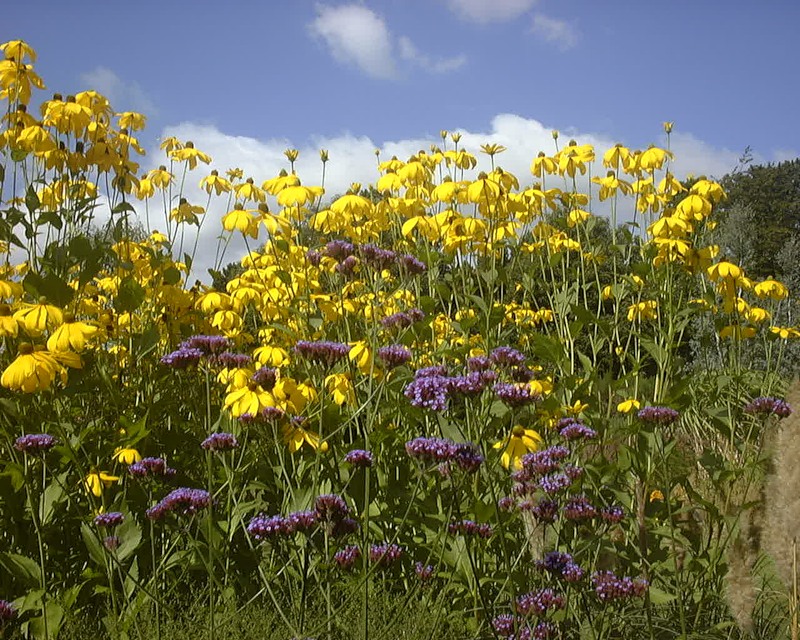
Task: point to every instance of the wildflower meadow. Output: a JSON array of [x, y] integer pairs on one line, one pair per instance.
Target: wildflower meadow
[[453, 403]]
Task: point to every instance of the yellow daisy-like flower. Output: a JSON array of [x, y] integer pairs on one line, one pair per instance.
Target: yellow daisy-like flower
[[296, 436], [38, 317], [516, 444], [71, 336], [96, 481], [341, 388], [626, 406], [31, 371], [126, 455]]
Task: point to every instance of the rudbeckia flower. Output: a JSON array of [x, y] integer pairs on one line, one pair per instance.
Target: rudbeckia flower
[[295, 436], [626, 406], [31, 371], [38, 317], [126, 455], [516, 444], [96, 481], [71, 336]]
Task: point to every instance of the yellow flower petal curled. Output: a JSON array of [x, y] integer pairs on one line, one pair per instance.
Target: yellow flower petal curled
[[126, 455], [516, 444], [96, 481]]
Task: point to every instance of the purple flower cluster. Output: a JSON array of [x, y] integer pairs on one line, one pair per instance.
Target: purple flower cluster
[[660, 416], [466, 456], [472, 383], [424, 572], [214, 348], [267, 414], [507, 357], [571, 429], [228, 360], [111, 542], [7, 612], [265, 378], [347, 267], [108, 520], [220, 442], [263, 527], [612, 514], [151, 468], [470, 529], [35, 443], [346, 558], [182, 502], [376, 257], [769, 406], [182, 357], [394, 355], [402, 319], [515, 394], [579, 508], [331, 508], [554, 482], [338, 249], [505, 625], [411, 264], [561, 565], [359, 458], [539, 602], [209, 345], [608, 586], [322, 352], [385, 554], [429, 391]]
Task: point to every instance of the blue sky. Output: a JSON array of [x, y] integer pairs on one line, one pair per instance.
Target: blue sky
[[245, 80], [297, 69]]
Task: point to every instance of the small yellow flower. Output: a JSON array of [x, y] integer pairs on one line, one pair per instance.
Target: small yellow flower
[[296, 436], [626, 406], [125, 455], [96, 481], [656, 495], [516, 444], [341, 389]]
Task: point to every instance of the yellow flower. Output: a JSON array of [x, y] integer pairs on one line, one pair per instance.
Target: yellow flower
[[656, 496], [31, 371], [126, 455], [296, 436], [96, 481], [341, 388], [516, 444], [645, 310], [626, 406], [72, 335], [190, 155], [243, 220], [214, 182], [9, 326], [361, 355], [38, 317], [771, 289]]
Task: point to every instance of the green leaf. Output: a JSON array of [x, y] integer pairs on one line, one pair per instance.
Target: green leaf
[[171, 276], [658, 597], [21, 567], [55, 617], [130, 295], [50, 286], [32, 199], [93, 546], [122, 207]]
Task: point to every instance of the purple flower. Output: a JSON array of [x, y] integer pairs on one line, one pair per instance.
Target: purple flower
[[359, 458], [479, 363], [338, 249], [394, 355], [412, 265], [302, 521], [182, 502], [182, 357], [7, 612], [515, 395], [35, 443], [766, 406], [579, 508], [209, 345], [151, 468], [331, 508], [220, 442], [431, 450], [346, 558], [544, 461], [344, 527], [468, 457], [385, 554], [262, 527], [505, 623], [505, 503], [229, 360], [507, 357], [539, 602], [608, 586], [554, 482], [662, 416], [111, 542], [470, 528], [108, 520], [347, 267], [424, 571], [265, 378], [545, 510], [376, 257], [429, 392], [577, 431], [470, 384], [322, 352], [402, 319], [612, 514]]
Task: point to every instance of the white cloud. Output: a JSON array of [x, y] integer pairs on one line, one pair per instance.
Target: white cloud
[[124, 96], [558, 32], [356, 35], [352, 159], [784, 155], [409, 51], [485, 11]]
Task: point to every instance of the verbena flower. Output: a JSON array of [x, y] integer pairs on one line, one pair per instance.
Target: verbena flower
[[661, 416], [608, 586], [429, 392], [766, 406], [151, 468], [431, 450], [8, 612], [348, 557], [359, 458], [109, 520], [394, 355], [385, 554], [515, 394], [539, 602], [263, 527], [471, 529], [577, 431], [181, 502], [507, 357], [182, 358], [424, 572], [209, 345], [322, 352], [35, 443], [220, 442], [331, 508]]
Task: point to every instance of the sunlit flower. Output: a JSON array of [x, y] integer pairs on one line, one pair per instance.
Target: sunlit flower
[[126, 455], [96, 481], [516, 444]]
